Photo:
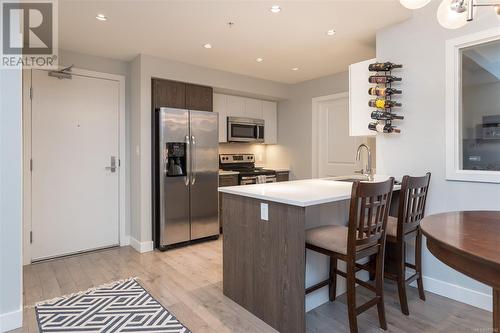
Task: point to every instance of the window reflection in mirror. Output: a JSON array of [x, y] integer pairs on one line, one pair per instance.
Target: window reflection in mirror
[[480, 108]]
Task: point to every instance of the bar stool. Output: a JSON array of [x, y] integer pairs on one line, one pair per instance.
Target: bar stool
[[363, 237], [405, 227]]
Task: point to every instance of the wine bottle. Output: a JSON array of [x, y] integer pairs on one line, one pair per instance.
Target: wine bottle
[[381, 115], [382, 91], [381, 128], [383, 103], [383, 67], [381, 79]]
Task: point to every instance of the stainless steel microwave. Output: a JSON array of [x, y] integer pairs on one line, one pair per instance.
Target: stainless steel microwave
[[245, 129]]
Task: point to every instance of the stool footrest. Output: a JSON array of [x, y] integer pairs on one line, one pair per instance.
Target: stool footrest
[[317, 286], [410, 265], [367, 305], [412, 278]]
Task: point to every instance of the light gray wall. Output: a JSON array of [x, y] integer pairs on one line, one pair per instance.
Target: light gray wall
[[295, 123], [10, 199], [419, 44], [110, 66]]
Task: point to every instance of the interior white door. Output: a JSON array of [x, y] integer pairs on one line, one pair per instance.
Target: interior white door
[[336, 149], [75, 195]]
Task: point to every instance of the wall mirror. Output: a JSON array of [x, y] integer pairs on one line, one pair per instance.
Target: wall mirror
[[473, 107]]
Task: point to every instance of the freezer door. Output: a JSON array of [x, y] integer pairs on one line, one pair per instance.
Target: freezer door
[[204, 176], [174, 146]]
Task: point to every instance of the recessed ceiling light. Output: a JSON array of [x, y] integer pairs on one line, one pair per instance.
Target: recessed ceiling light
[[207, 46], [295, 69], [331, 32], [259, 60], [101, 17], [275, 9]]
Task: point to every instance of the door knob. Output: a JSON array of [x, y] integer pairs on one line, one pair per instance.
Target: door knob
[[113, 165]]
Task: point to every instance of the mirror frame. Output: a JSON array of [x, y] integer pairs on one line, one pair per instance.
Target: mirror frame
[[453, 107]]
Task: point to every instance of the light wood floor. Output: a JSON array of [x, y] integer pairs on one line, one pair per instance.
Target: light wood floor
[[188, 281]]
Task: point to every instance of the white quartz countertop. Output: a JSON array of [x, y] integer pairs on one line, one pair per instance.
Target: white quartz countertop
[[300, 193]]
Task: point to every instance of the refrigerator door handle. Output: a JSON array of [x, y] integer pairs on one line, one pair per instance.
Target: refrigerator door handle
[[188, 160], [165, 160], [193, 162]]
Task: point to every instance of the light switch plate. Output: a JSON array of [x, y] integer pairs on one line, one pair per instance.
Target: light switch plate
[[264, 211]]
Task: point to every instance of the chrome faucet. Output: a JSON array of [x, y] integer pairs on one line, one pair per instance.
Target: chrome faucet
[[368, 172]]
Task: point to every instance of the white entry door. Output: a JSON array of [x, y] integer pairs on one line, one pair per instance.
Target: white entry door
[[75, 134], [336, 149]]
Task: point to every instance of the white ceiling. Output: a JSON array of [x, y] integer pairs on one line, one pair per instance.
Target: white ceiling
[[295, 37]]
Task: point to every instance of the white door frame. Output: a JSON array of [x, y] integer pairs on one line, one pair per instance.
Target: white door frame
[[315, 128], [122, 211]]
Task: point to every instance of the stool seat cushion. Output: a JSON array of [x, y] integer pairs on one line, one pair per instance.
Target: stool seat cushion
[[329, 237], [392, 226]]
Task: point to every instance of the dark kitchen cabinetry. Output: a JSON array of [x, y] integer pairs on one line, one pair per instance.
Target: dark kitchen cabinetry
[[199, 97], [168, 93], [282, 176], [180, 95], [225, 180]]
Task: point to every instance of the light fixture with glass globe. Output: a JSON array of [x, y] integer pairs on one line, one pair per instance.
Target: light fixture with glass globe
[[452, 14], [449, 17], [414, 4]]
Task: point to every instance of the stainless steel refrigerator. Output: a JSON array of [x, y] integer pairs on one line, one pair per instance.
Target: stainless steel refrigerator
[[186, 176]]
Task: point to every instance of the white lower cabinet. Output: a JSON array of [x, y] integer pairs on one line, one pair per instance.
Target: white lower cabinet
[[236, 106]]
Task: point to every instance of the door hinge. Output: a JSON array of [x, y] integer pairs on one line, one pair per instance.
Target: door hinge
[[31, 237], [31, 164], [31, 92], [119, 162]]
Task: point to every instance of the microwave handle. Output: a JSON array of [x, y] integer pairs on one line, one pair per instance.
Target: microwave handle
[[259, 128]]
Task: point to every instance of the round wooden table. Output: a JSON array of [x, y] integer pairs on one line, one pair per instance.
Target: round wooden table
[[469, 242]]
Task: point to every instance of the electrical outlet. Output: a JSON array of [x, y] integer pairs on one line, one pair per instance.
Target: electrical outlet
[[264, 212]]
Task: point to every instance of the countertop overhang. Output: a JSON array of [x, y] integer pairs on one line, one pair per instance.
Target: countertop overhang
[[302, 193]]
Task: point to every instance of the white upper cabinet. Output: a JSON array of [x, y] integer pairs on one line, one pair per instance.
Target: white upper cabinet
[[253, 108], [270, 116], [220, 106], [235, 106], [359, 111]]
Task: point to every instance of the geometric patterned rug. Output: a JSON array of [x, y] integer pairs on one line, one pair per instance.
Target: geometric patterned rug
[[122, 306]]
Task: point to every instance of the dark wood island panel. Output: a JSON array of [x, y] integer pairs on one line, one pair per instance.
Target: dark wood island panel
[[264, 261]]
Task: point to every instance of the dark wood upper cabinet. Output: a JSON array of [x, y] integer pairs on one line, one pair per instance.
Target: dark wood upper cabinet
[[173, 94], [199, 97], [168, 93]]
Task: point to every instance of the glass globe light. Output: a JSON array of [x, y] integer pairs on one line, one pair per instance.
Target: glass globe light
[[414, 4], [449, 18]]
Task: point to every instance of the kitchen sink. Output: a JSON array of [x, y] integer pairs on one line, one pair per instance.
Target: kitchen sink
[[351, 179]]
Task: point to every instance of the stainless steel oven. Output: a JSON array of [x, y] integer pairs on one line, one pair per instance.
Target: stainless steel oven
[[248, 180], [245, 129]]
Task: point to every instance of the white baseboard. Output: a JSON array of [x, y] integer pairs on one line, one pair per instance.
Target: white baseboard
[[141, 247], [458, 293], [124, 240], [11, 320]]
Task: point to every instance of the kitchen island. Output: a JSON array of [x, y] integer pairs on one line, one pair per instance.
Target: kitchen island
[[264, 257]]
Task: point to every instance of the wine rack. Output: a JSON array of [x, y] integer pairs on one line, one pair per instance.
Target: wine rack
[[383, 97]]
